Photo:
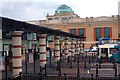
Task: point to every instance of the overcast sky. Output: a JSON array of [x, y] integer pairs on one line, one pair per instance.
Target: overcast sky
[[37, 9]]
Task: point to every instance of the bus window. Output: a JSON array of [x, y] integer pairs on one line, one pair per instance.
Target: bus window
[[114, 51], [104, 53], [118, 41]]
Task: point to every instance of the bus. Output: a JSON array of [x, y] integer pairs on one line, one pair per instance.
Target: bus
[[114, 41], [109, 51], [104, 41]]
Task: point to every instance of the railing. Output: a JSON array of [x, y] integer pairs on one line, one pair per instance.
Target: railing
[[64, 76]]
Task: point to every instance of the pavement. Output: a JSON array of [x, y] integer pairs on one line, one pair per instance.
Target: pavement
[[65, 68]]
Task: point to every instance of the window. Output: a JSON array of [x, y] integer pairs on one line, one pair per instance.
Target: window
[[63, 18], [81, 31], [98, 34], [70, 17], [107, 32], [49, 18], [73, 31], [57, 18]]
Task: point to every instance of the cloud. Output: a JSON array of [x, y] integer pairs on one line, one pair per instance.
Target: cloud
[[37, 9]]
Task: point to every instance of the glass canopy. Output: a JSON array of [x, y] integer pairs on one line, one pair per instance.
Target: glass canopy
[[64, 8]]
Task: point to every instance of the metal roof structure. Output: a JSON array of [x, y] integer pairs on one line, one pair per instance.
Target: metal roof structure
[[14, 25]]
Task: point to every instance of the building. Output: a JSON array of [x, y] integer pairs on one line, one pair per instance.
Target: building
[[93, 28]]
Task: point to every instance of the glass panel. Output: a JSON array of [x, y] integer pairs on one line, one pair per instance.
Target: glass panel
[[70, 17], [98, 34], [73, 31], [81, 31], [64, 18], [49, 18], [57, 18], [107, 32]]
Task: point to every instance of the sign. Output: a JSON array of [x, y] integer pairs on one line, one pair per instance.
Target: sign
[[6, 48], [31, 36], [2, 63], [30, 56]]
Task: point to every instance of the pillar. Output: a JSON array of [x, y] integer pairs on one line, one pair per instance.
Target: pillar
[[66, 49], [77, 46], [57, 48], [73, 47], [17, 57], [42, 49]]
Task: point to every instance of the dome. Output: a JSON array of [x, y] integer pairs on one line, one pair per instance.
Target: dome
[[63, 9]]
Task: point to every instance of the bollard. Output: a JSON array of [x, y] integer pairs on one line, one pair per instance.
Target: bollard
[[65, 76], [57, 65], [45, 70], [100, 63], [96, 70], [113, 65], [115, 70], [59, 71], [91, 76], [40, 69], [78, 73], [89, 60], [85, 63], [20, 76]]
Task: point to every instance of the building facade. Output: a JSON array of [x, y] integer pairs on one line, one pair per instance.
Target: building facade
[[93, 28]]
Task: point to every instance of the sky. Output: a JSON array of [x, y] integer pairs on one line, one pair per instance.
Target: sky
[[27, 10]]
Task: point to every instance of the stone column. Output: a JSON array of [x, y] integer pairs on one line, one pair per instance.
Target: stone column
[[17, 57], [66, 49], [73, 47], [77, 46], [57, 48], [42, 49]]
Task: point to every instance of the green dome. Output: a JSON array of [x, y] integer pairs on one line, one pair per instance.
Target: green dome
[[63, 9]]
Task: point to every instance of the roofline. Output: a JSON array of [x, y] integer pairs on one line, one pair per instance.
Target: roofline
[[15, 25]]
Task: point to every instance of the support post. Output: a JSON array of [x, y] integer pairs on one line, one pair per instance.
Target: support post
[[96, 70], [17, 58], [42, 49], [68, 61], [115, 70], [78, 70], [26, 61], [85, 63], [73, 48], [57, 48], [66, 50], [89, 60]]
